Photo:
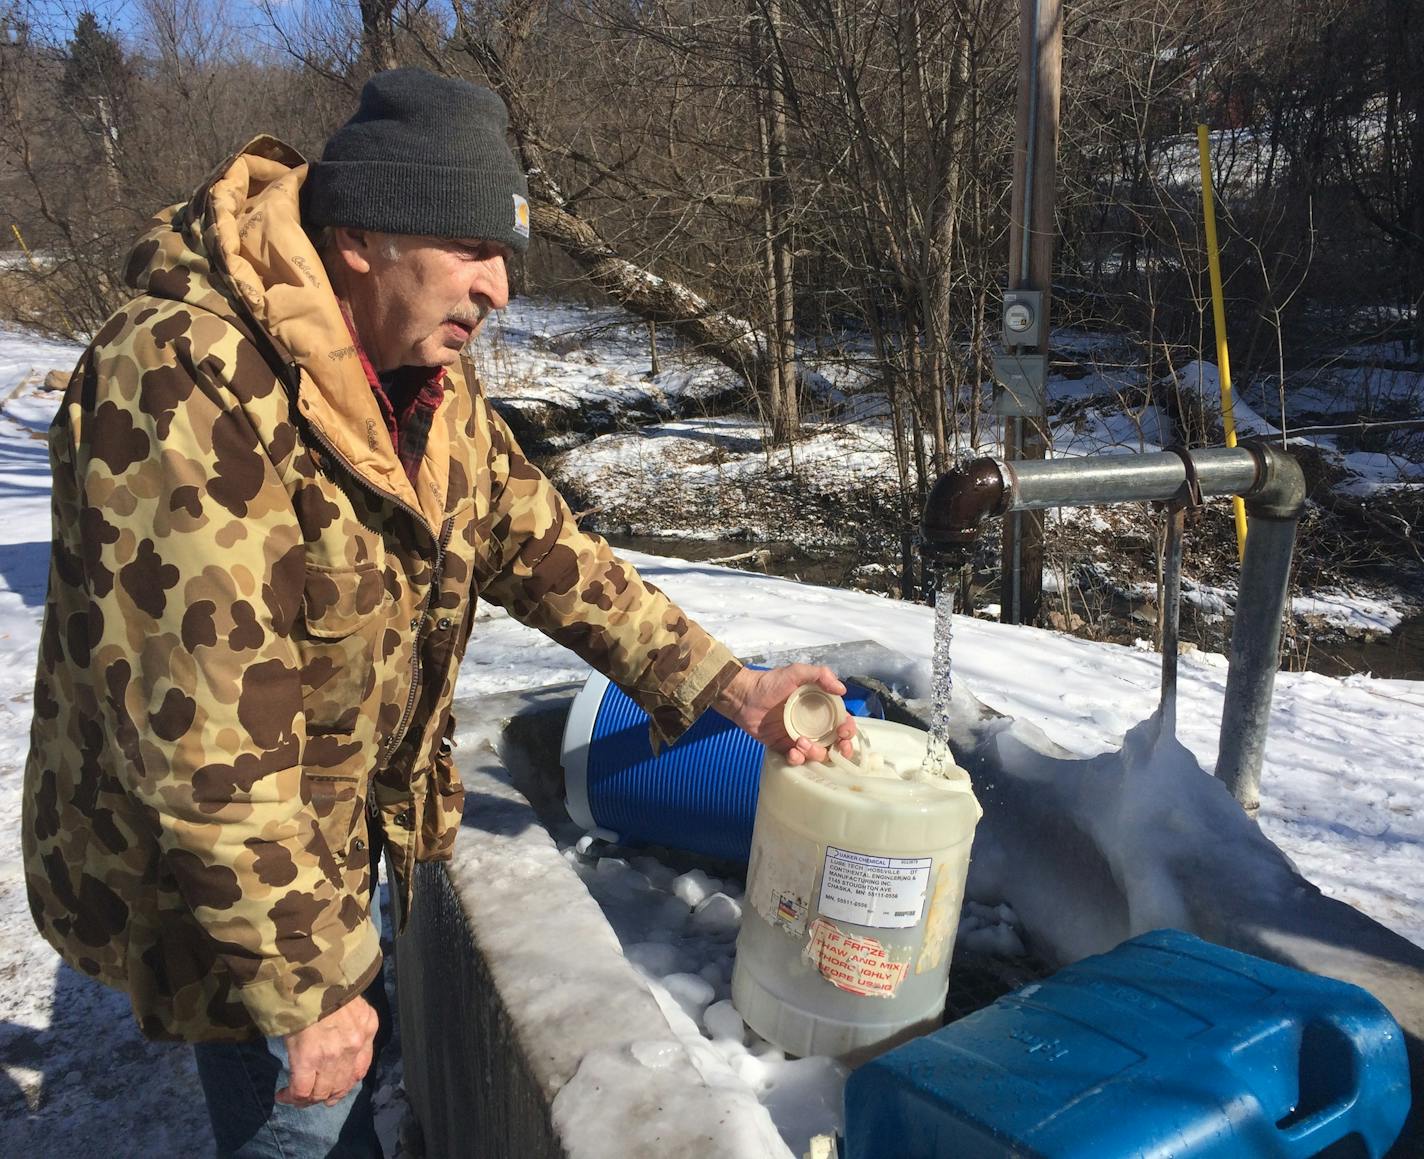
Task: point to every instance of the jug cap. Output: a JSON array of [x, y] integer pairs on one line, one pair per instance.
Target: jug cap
[[813, 713]]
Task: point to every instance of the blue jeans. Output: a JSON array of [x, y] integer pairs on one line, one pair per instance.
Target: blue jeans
[[241, 1079]]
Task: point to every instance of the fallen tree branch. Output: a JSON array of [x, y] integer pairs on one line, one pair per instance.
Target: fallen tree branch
[[760, 556], [732, 341], [1395, 527]]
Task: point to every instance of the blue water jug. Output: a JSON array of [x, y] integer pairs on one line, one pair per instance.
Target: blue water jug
[[1168, 1046], [699, 794]]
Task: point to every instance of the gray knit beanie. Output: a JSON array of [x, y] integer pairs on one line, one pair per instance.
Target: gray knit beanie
[[424, 155]]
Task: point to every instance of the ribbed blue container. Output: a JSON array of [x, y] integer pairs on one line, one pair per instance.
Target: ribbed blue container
[[1168, 1047], [699, 794]]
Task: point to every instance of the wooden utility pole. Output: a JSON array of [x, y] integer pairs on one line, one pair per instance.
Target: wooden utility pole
[[1031, 234]]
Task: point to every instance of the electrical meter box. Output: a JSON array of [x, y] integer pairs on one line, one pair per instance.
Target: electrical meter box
[[1025, 320]]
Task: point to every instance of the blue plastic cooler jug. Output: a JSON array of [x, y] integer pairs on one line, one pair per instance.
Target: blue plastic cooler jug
[[699, 794], [1168, 1046]]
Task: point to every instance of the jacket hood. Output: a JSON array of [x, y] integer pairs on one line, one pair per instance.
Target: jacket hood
[[186, 253], [237, 249]]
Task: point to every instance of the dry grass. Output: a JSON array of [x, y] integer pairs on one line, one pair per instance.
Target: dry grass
[[34, 299]]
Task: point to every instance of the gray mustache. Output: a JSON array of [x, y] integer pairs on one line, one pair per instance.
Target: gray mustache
[[472, 317]]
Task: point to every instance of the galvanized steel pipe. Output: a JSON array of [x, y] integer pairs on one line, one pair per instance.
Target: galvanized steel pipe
[[1273, 511], [1268, 478], [1088, 481], [1255, 650]]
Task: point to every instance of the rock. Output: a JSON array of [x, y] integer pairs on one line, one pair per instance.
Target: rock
[[55, 380]]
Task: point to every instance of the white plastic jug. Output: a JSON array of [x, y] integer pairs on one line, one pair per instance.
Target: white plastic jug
[[854, 889]]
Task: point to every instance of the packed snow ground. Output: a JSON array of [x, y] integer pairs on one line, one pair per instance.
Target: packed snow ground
[[1343, 785]]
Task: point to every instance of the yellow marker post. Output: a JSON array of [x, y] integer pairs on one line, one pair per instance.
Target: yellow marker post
[[19, 237], [1218, 314]]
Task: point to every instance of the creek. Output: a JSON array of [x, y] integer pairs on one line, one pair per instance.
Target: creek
[[1398, 655]]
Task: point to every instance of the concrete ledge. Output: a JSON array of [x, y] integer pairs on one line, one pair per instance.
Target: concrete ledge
[[472, 1087], [526, 1032]]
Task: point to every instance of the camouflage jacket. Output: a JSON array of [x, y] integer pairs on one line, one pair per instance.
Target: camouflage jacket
[[254, 623]]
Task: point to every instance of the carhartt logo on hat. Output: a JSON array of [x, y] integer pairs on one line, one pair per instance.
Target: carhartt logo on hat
[[521, 216]]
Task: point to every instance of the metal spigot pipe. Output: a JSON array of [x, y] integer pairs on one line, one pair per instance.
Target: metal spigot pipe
[[1255, 650], [1089, 481], [1273, 511], [1274, 488], [962, 499]]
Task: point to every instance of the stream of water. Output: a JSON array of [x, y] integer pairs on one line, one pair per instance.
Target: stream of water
[[938, 759]]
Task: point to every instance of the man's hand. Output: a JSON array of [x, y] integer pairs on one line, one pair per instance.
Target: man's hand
[[330, 1057], [753, 700]]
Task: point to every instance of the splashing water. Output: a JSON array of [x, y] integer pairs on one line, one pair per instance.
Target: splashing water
[[938, 759]]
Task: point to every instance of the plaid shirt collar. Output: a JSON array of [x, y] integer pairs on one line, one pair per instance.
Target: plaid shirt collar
[[408, 398]]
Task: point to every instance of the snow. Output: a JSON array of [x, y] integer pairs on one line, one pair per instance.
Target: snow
[[713, 462], [1205, 379], [678, 930], [575, 356], [1348, 610], [1342, 788], [1375, 471]]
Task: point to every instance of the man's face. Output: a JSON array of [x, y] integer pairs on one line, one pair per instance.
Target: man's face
[[416, 301]]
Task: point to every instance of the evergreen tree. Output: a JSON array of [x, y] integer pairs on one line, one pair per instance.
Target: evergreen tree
[[97, 79]]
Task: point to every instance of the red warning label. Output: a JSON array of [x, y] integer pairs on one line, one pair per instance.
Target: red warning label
[[855, 964]]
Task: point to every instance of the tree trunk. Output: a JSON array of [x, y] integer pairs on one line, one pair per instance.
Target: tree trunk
[[942, 212], [108, 143], [1412, 45], [378, 41], [782, 410], [908, 512], [782, 339]]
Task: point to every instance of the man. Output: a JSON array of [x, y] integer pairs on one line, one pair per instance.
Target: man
[[276, 501]]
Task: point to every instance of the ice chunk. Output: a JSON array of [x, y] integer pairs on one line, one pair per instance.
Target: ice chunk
[[655, 871], [694, 885], [1001, 941], [656, 959], [656, 1054], [670, 914], [990, 929], [713, 974], [718, 915], [722, 1021], [753, 1071], [690, 992], [767, 1052]]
